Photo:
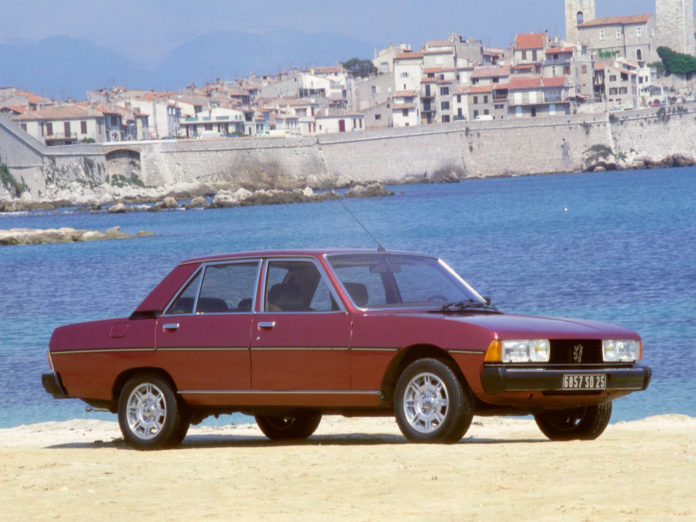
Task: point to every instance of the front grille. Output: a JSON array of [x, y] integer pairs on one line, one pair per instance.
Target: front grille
[[576, 351]]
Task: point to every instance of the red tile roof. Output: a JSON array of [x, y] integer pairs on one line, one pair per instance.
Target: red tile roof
[[618, 20], [491, 72], [560, 50], [408, 56], [530, 41], [522, 82]]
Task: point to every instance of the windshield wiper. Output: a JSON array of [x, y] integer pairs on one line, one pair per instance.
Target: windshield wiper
[[468, 306]]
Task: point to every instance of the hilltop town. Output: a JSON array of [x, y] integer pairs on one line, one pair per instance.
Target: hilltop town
[[603, 64], [607, 96]]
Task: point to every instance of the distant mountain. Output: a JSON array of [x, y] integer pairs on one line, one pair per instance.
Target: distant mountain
[[64, 67]]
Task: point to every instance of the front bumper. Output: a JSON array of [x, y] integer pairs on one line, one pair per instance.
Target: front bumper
[[52, 384], [499, 378]]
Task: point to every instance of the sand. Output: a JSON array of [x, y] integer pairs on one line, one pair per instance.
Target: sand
[[351, 469]]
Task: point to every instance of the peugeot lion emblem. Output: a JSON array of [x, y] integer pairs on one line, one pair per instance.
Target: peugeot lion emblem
[[577, 353]]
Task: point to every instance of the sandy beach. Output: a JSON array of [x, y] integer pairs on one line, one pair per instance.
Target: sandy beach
[[351, 469]]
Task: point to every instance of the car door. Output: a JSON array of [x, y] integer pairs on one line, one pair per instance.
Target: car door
[[301, 335], [203, 337]]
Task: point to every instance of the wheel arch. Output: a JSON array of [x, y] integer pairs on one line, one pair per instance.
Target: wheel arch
[[406, 356], [123, 378]]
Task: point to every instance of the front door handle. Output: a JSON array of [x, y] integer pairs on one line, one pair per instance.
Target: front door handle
[[266, 324], [170, 326]]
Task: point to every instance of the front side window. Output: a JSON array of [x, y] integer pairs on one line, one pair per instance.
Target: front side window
[[397, 281], [297, 286], [218, 289]]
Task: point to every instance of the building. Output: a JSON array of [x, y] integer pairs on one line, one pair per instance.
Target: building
[[215, 122], [340, 122], [65, 124], [675, 24], [408, 70], [383, 59], [629, 37], [577, 12], [529, 52], [617, 84], [405, 111], [536, 96]]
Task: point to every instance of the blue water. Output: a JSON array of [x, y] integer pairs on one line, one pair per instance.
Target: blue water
[[618, 247]]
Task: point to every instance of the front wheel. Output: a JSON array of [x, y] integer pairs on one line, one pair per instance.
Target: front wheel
[[586, 423], [284, 427], [149, 414], [430, 403]]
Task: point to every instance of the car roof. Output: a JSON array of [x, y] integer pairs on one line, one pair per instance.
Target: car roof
[[292, 253]]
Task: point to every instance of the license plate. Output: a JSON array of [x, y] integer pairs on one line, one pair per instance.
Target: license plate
[[584, 381]]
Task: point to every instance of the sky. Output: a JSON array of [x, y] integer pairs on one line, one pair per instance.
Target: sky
[[142, 29]]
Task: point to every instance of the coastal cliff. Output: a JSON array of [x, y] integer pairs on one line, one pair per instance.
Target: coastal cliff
[[111, 172]]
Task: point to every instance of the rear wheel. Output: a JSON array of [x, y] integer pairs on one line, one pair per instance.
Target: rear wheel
[[586, 423], [430, 403], [283, 427], [149, 413]]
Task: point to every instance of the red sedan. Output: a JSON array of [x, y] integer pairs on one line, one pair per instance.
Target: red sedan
[[287, 336]]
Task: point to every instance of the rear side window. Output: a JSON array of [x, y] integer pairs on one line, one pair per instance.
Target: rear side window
[[218, 289]]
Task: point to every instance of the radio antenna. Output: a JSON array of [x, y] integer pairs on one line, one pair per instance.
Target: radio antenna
[[380, 248]]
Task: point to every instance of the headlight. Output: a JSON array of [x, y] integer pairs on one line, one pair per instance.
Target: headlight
[[527, 350], [620, 351]]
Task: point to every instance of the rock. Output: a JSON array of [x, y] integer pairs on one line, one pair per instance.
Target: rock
[[169, 203], [370, 191], [144, 233], [198, 202], [118, 208], [34, 236]]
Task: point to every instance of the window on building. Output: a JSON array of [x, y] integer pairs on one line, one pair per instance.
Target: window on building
[[623, 90], [476, 113], [444, 91], [404, 113], [66, 128], [612, 78], [639, 55], [49, 128], [584, 69], [485, 99], [378, 116], [24, 127], [534, 55], [445, 119], [83, 127], [444, 106], [638, 31], [601, 34], [486, 112], [475, 100], [404, 74], [613, 91], [459, 98], [580, 18]]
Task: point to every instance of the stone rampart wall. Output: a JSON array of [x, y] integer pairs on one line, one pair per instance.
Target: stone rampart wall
[[464, 149]]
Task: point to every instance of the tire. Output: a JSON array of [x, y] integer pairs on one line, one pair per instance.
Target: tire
[[586, 423], [149, 414], [430, 403], [286, 427]]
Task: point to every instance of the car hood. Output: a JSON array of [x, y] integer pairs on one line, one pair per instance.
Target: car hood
[[511, 326]]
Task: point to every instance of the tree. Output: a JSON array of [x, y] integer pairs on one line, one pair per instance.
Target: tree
[[360, 68], [676, 63]]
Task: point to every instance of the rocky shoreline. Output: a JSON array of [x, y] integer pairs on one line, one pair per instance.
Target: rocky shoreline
[[35, 236], [184, 197]]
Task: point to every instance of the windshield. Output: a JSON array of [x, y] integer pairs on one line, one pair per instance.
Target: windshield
[[401, 280]]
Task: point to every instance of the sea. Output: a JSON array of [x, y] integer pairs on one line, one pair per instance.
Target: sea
[[618, 247]]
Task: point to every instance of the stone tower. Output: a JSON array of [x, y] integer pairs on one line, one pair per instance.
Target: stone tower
[[576, 13], [675, 24]]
